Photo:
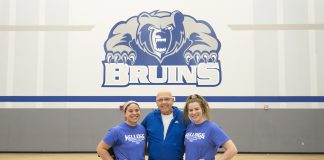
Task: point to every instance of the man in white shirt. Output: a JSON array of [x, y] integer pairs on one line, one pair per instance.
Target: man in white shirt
[[165, 128]]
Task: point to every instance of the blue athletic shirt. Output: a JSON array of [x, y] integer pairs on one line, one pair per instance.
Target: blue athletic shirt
[[170, 148], [128, 142], [203, 140]]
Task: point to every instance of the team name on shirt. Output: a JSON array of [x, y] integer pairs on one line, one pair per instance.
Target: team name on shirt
[[135, 138], [194, 136]]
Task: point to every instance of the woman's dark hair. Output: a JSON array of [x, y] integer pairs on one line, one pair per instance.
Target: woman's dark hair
[[128, 103], [112, 153]]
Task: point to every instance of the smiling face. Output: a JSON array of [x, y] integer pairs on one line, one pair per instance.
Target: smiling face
[[196, 113], [196, 110], [164, 101], [132, 114]]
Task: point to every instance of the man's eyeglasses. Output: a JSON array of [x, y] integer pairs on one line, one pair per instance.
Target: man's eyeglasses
[[167, 99]]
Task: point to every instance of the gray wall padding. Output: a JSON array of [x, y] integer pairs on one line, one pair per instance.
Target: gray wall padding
[[80, 130]]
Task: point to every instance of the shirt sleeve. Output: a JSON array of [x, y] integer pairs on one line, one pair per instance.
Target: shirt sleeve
[[111, 137], [219, 136]]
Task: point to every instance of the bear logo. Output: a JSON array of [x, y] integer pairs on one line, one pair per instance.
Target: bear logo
[[161, 47], [162, 38]]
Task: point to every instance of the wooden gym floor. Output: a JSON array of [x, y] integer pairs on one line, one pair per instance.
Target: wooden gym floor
[[93, 156]]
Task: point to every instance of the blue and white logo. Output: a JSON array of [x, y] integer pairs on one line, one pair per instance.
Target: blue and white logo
[[137, 138], [164, 48], [194, 136]]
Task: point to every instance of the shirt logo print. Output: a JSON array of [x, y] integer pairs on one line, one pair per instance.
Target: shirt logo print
[[135, 138], [194, 136]]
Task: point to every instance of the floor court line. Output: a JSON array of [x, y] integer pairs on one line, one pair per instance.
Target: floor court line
[[93, 156]]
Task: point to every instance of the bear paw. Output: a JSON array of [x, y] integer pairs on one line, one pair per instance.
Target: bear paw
[[200, 57], [124, 57]]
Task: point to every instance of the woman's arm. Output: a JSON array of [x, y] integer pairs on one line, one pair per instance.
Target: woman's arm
[[230, 150], [102, 150]]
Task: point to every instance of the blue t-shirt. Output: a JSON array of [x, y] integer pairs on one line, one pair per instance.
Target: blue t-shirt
[[203, 140], [128, 142]]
